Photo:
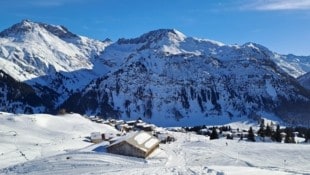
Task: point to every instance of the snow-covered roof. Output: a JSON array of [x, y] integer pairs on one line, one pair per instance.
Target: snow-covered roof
[[141, 140]]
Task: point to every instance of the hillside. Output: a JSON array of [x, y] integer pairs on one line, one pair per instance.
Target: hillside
[[304, 80], [20, 97], [28, 137]]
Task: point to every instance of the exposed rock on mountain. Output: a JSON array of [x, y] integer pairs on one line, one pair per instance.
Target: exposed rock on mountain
[[165, 76]]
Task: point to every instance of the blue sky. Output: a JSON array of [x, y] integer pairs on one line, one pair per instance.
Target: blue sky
[[281, 25]]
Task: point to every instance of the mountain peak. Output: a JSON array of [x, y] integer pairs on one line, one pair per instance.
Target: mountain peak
[[156, 35], [164, 32], [171, 34], [59, 30], [27, 26], [17, 29]]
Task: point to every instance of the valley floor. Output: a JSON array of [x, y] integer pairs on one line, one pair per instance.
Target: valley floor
[[189, 154]]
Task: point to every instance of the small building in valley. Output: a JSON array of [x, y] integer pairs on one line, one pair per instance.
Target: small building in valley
[[95, 137], [136, 144]]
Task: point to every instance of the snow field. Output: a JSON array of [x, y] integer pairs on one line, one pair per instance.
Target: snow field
[[41, 135], [54, 145]]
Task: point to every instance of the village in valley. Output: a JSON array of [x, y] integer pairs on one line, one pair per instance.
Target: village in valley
[[137, 138]]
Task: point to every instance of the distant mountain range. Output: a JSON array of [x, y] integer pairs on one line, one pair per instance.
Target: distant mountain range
[[162, 76]]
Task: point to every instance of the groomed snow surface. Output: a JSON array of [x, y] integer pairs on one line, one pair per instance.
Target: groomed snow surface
[[45, 144]]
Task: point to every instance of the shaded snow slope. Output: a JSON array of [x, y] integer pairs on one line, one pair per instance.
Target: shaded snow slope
[[304, 80], [20, 97]]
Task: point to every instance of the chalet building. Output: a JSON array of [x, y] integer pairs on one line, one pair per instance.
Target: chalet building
[[165, 137], [136, 144], [107, 136], [145, 127], [124, 128], [95, 137]]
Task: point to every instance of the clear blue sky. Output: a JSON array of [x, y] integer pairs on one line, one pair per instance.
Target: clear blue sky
[[281, 25]]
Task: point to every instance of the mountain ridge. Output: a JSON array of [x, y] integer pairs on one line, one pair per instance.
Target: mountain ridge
[[149, 82], [162, 75], [42, 54]]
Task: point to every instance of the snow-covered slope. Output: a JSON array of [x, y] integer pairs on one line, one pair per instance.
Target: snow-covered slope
[[53, 145], [294, 65], [171, 79], [28, 137], [304, 80], [49, 55]]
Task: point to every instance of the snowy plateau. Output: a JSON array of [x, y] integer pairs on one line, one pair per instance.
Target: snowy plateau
[[162, 76], [45, 144]]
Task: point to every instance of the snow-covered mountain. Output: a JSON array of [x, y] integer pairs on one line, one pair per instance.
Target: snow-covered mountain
[[49, 55], [162, 75], [304, 80], [166, 77], [294, 65]]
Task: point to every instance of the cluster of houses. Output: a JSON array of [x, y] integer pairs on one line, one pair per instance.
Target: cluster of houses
[[136, 138], [223, 131], [139, 139]]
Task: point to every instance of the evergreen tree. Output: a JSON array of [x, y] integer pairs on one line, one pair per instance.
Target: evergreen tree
[[268, 131], [261, 131], [214, 134], [251, 136], [277, 135], [262, 123], [241, 137], [230, 136], [289, 137], [307, 135]]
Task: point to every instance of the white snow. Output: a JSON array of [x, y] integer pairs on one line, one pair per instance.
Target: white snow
[[296, 66], [51, 145], [210, 41], [252, 46], [142, 137], [151, 143], [41, 135], [271, 90], [35, 54]]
